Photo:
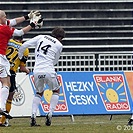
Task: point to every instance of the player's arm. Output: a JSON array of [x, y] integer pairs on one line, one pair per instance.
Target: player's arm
[[18, 20], [24, 69], [22, 31], [29, 43], [23, 62], [35, 22], [28, 16]]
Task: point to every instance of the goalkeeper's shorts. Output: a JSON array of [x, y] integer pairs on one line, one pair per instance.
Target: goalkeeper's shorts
[[4, 66]]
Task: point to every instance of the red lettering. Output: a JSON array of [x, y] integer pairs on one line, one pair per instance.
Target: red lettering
[[117, 106], [109, 78], [59, 107]]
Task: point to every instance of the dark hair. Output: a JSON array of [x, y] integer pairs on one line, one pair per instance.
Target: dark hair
[[18, 37], [58, 32]]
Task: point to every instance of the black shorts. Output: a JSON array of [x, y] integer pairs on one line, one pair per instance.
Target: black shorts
[[13, 81]]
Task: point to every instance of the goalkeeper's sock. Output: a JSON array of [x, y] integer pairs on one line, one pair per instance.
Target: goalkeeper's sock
[[8, 108], [4, 96], [53, 102]]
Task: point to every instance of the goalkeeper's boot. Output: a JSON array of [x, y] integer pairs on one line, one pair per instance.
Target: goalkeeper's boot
[[33, 122], [130, 122], [6, 114], [48, 119]]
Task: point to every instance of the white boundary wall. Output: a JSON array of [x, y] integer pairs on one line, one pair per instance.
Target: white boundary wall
[[22, 106]]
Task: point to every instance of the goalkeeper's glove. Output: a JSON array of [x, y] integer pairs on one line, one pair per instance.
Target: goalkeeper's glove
[[32, 13], [36, 22]]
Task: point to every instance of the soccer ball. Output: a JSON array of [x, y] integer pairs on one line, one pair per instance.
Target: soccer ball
[[39, 25]]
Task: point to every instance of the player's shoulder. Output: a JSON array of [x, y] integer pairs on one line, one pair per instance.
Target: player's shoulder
[[12, 43], [40, 36], [4, 26], [59, 43], [15, 42]]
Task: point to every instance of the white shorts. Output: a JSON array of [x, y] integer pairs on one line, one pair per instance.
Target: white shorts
[[4, 66], [40, 79]]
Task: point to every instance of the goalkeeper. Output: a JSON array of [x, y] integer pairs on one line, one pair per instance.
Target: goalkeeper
[[6, 32], [15, 63]]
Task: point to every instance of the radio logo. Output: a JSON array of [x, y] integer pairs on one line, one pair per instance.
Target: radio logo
[[112, 91]]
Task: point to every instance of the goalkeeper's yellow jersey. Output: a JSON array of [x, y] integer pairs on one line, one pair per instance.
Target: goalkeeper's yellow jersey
[[12, 55]]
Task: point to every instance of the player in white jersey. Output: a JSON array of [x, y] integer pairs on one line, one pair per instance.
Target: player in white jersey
[[47, 53]]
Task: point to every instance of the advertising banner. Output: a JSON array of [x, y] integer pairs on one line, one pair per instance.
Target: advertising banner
[[89, 93], [80, 93]]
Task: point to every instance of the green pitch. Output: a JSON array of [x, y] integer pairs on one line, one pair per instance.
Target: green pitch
[[81, 124]]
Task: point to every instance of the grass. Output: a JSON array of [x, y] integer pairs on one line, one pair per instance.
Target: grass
[[81, 124]]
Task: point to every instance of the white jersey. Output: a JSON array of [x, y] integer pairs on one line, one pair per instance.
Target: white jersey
[[47, 52]]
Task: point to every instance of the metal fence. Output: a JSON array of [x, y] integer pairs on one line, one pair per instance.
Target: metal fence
[[85, 61]]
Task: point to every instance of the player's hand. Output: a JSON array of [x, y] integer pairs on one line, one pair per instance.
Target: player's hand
[[33, 12], [27, 71], [36, 21]]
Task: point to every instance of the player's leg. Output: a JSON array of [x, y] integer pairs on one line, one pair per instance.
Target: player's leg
[[4, 96], [5, 80], [39, 84], [35, 104], [10, 97], [54, 85]]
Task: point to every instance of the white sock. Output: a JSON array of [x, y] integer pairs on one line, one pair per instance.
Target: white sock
[[53, 103], [35, 104], [132, 117], [4, 95]]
